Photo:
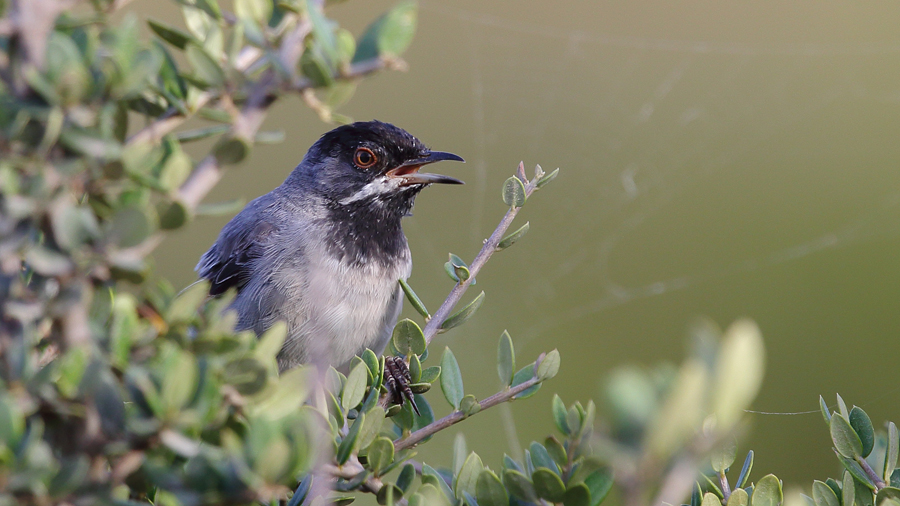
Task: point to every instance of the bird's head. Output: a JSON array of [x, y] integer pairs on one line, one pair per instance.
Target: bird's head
[[371, 164]]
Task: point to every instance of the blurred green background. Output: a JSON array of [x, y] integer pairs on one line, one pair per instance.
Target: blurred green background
[[718, 159]]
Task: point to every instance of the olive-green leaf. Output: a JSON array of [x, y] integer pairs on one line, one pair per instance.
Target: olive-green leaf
[[845, 439], [170, 34], [451, 379], [469, 405], [599, 482], [826, 413], [767, 492], [744, 476], [489, 491], [350, 441], [519, 485], [723, 456], [231, 150], [408, 337], [205, 67], [577, 495], [549, 367], [380, 454], [862, 425], [848, 489], [405, 478], [511, 239], [739, 372], [842, 406], [463, 314], [887, 496], [892, 451], [548, 485], [823, 495], [414, 299], [467, 478], [389, 35], [559, 414], [547, 178], [430, 374], [371, 426], [738, 497], [524, 374], [514, 192], [710, 499], [355, 387], [506, 359]]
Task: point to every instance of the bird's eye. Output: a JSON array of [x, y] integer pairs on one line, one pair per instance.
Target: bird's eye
[[365, 158]]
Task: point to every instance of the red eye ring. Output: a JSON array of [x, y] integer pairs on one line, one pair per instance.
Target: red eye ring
[[364, 158]]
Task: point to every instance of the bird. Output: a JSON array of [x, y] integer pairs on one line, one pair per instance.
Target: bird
[[325, 250]]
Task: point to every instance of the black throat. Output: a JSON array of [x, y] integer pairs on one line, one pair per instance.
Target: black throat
[[368, 230]]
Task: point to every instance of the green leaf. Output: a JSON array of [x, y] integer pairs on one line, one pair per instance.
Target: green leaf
[[577, 495], [767, 492], [408, 337], [548, 367], [430, 476], [739, 372], [185, 305], [414, 299], [231, 150], [355, 387], [451, 379], [548, 485], [556, 451], [524, 374], [256, 10], [842, 406], [467, 478], [223, 208], [710, 499], [823, 495], [559, 414], [430, 374], [463, 314], [853, 467], [599, 482], [826, 413], [489, 491], [388, 494], [389, 35], [380, 454], [469, 405], [270, 342], [199, 134], [845, 439], [892, 450], [848, 489], [547, 178], [519, 485], [887, 496], [862, 425], [738, 497], [540, 457], [744, 477], [506, 359], [205, 67], [371, 427], [415, 369], [170, 34], [514, 192], [513, 237], [723, 457], [349, 443], [405, 479]]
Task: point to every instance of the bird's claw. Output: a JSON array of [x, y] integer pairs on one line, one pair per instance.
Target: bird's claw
[[397, 380]]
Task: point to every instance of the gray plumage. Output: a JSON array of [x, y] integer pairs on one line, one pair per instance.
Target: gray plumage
[[324, 251]]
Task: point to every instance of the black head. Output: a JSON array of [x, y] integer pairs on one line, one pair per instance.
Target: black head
[[367, 174], [372, 163]]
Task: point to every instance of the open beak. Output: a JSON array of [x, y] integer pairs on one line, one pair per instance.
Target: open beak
[[409, 171]]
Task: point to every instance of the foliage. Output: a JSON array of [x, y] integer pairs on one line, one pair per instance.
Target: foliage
[[114, 390]]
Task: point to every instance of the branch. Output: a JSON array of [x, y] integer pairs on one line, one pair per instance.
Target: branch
[[490, 246], [458, 416]]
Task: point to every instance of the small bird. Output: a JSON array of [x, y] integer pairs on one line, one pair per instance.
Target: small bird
[[325, 250]]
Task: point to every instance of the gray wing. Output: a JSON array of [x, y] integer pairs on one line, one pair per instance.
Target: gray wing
[[230, 261]]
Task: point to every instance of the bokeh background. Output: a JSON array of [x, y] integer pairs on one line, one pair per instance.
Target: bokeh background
[[719, 159]]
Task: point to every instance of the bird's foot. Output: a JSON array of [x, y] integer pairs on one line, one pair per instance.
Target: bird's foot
[[397, 380]]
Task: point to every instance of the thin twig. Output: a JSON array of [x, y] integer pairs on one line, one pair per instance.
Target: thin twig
[[458, 416], [490, 246]]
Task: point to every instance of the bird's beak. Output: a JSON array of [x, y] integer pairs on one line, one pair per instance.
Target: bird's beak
[[409, 171]]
